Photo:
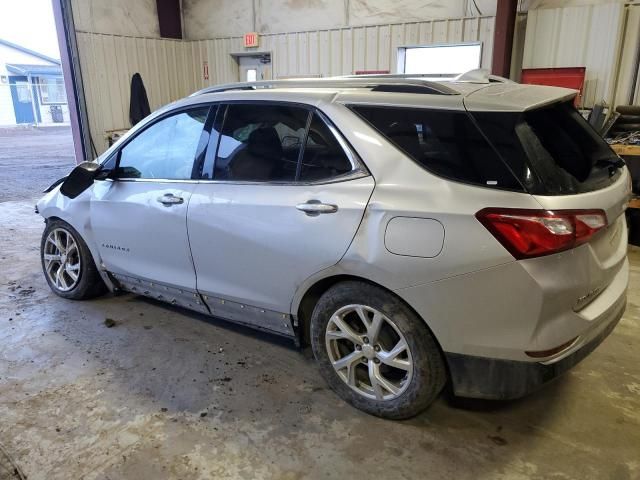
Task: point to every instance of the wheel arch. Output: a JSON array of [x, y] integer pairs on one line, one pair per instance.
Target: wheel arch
[[93, 250], [312, 294]]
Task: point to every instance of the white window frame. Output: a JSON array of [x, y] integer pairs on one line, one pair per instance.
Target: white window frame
[[42, 84]]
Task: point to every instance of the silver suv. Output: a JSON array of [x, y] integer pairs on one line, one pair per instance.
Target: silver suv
[[415, 233]]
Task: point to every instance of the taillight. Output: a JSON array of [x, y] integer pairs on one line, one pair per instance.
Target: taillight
[[534, 233]]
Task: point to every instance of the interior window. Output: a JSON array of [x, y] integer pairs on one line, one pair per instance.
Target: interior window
[[323, 156], [260, 143], [166, 149], [446, 143]]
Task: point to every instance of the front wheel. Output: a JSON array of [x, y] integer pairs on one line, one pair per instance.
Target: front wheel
[[67, 263], [375, 352]]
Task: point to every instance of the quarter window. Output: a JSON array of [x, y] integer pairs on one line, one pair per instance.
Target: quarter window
[[446, 143], [166, 149], [261, 143]]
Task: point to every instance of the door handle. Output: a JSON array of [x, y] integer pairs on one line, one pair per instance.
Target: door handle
[[314, 208], [169, 199]]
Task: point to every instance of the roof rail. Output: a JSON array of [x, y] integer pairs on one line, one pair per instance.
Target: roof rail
[[380, 83], [480, 75]]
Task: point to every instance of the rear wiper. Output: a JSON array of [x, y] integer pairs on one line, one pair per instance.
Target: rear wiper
[[614, 164]]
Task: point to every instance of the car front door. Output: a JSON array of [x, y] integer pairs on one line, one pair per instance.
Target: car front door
[[283, 199], [139, 217]]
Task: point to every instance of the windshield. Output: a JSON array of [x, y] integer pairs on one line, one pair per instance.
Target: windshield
[[561, 153]]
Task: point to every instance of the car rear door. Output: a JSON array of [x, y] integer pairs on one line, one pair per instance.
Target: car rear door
[[281, 200], [139, 218]]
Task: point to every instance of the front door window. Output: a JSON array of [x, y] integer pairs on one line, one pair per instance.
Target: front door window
[[166, 149]]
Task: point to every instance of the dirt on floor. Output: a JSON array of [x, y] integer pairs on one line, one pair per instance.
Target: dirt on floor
[[31, 159], [122, 387]]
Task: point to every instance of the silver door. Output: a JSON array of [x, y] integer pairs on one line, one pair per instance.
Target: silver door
[[139, 219], [140, 230], [275, 213], [256, 244]]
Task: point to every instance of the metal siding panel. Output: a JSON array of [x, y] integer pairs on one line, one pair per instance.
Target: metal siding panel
[[583, 36], [324, 53], [487, 26], [470, 28], [281, 58], [397, 40], [439, 31], [384, 48], [570, 32], [92, 95], [267, 45], [347, 52], [425, 35], [359, 49], [314, 53], [124, 48], [455, 31], [303, 53], [292, 47], [371, 48], [412, 33], [337, 50]]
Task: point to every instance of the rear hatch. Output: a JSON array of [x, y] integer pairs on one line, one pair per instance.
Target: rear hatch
[[566, 166]]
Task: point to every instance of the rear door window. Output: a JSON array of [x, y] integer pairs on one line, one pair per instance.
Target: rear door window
[[446, 143], [261, 143], [324, 157], [563, 154]]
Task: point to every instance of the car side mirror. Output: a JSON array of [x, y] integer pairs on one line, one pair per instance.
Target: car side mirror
[[80, 179]]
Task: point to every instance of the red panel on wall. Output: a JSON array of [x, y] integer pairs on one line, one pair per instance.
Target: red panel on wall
[[568, 77]]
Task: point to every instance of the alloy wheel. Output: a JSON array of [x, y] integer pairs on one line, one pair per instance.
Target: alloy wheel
[[61, 258], [368, 352]]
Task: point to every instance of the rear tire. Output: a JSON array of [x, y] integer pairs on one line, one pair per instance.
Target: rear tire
[[374, 370], [67, 263]]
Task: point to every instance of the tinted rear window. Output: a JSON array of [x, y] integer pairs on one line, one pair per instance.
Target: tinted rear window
[[447, 143], [562, 153]]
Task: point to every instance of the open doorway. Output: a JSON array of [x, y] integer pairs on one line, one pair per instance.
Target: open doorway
[[254, 67], [36, 145]]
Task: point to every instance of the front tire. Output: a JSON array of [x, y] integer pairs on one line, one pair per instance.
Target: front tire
[[67, 263], [375, 352]]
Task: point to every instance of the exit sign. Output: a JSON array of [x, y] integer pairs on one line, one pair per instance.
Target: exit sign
[[251, 39]]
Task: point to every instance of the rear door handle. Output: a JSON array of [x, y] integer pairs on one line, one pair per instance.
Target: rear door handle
[[314, 208], [169, 199]]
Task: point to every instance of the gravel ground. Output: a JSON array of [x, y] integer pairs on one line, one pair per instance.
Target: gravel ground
[[31, 159]]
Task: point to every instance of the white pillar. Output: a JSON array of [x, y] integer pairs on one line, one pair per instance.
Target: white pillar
[[32, 95]]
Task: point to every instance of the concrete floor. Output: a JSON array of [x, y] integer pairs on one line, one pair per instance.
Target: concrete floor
[[171, 394]]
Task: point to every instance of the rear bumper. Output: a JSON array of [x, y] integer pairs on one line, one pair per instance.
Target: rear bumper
[[489, 378]]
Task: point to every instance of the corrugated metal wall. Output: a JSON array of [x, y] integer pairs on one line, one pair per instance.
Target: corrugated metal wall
[[172, 69], [583, 36], [107, 64]]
